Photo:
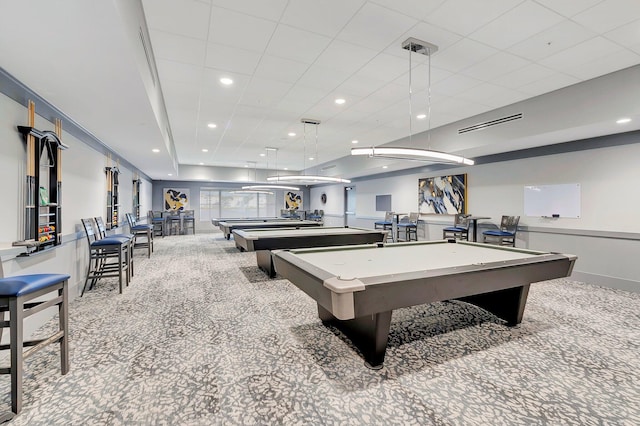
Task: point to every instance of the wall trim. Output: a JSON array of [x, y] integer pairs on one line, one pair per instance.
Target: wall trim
[[606, 281]]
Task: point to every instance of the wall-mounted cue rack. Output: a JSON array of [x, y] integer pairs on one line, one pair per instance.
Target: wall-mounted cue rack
[[43, 186], [136, 197], [113, 198]]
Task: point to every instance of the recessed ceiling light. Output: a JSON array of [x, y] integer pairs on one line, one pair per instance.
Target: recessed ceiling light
[[205, 150], [155, 150], [623, 120], [354, 141], [202, 164], [263, 154], [170, 174], [421, 116], [340, 101], [226, 81], [291, 134], [286, 168], [385, 167], [212, 125], [246, 165], [310, 158]]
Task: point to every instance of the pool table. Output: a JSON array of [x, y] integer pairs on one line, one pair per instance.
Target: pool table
[[262, 241], [216, 221], [358, 287], [228, 227]]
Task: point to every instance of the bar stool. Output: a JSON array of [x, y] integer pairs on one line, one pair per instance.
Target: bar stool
[[102, 233], [16, 297], [173, 221], [188, 221], [108, 257], [410, 226], [459, 230], [386, 224], [156, 219], [144, 230]]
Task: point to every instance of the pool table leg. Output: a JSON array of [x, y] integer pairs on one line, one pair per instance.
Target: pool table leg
[[369, 334], [507, 304], [265, 262]]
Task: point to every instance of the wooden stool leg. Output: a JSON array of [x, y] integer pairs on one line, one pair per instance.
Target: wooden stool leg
[[63, 314]]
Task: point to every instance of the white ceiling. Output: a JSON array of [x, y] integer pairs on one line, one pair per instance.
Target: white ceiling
[[290, 59]]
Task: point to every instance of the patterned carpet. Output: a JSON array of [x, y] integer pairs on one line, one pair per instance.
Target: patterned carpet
[[202, 337]]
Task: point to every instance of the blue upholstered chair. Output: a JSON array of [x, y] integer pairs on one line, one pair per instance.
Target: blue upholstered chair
[[17, 296], [459, 230], [410, 227], [386, 224], [101, 232], [141, 230], [506, 235], [108, 257]]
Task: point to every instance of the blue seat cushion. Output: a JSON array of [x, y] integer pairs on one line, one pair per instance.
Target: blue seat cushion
[[141, 227], [25, 284], [384, 222], [455, 229], [499, 233], [407, 225], [110, 241], [158, 219]]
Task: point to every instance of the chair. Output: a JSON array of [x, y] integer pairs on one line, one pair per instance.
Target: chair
[[156, 219], [506, 235], [17, 296], [189, 221], [386, 224], [173, 221], [315, 215], [138, 230], [108, 257], [102, 233], [459, 230], [410, 226]]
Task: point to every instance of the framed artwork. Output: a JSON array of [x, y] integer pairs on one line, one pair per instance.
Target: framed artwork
[[176, 199], [293, 200], [443, 195]]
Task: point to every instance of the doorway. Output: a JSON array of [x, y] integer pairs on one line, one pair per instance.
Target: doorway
[[349, 205]]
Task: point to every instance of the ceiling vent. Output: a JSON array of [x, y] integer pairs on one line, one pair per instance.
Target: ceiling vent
[[490, 123], [147, 54]]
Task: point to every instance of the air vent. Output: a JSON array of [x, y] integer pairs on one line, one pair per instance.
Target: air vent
[[490, 123], [147, 54]]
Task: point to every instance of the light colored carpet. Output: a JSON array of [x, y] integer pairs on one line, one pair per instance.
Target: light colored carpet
[[203, 337]]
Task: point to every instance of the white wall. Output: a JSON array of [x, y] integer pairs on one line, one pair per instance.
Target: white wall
[[609, 196]]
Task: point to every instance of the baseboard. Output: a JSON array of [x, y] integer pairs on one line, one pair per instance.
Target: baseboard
[[605, 281]]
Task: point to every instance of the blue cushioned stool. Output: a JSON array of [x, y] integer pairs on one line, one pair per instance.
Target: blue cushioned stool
[[141, 230], [459, 230], [506, 235], [386, 224], [410, 227], [108, 257], [16, 297]]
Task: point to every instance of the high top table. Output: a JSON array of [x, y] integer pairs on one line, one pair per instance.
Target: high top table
[[474, 220]]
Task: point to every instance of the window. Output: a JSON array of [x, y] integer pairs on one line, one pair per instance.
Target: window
[[216, 203]]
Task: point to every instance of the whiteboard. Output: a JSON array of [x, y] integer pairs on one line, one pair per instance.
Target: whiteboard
[[550, 200]]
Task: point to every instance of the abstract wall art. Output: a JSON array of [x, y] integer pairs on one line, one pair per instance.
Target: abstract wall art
[[176, 199], [443, 195], [293, 200]]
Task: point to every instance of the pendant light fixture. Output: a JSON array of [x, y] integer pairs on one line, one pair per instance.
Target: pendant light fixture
[[410, 153], [304, 178], [268, 187]]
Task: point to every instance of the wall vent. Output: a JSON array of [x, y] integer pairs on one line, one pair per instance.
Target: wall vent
[[490, 123], [147, 54]]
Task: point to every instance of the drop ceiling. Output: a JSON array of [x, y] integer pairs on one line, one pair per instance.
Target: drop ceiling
[[291, 59]]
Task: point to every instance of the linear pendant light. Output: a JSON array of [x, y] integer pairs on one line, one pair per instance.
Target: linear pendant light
[[410, 153], [304, 178]]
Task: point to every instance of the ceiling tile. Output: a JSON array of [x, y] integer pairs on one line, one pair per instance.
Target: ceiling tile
[[627, 35], [322, 78], [455, 84], [388, 27], [552, 40], [568, 8], [413, 8], [385, 67], [280, 69], [495, 66], [605, 64], [235, 29], [548, 84], [466, 16], [178, 48], [172, 71], [191, 19], [462, 55], [267, 9], [361, 85], [580, 54], [609, 14], [523, 76], [516, 25], [492, 95], [345, 56], [297, 45], [326, 17], [231, 59]]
